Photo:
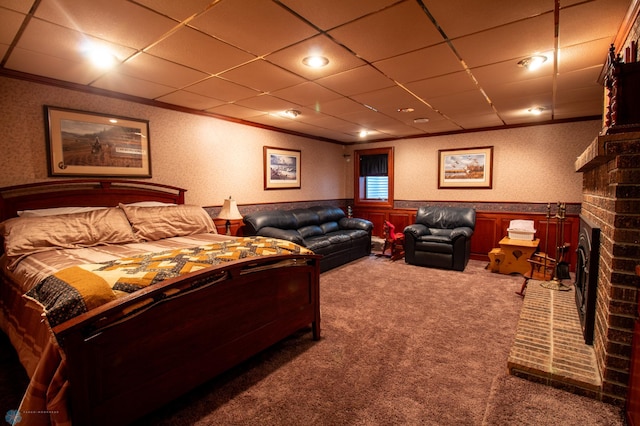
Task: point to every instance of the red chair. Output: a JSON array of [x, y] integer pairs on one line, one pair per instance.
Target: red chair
[[393, 240]]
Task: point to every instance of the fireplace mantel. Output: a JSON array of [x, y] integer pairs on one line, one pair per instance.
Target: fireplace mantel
[[603, 149]]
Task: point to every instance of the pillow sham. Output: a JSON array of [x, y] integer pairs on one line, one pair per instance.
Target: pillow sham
[[156, 223], [56, 211], [27, 235], [150, 204]]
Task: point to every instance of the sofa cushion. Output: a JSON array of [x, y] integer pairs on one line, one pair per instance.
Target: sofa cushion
[[328, 214], [316, 244], [355, 234], [329, 227], [310, 231], [305, 217], [274, 218], [284, 234]]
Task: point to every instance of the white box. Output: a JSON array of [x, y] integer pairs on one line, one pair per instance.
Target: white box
[[521, 235], [521, 230]]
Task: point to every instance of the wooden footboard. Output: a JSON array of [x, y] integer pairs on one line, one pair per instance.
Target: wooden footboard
[[126, 367]]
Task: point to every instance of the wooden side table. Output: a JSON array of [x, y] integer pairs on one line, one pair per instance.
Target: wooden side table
[[516, 253]]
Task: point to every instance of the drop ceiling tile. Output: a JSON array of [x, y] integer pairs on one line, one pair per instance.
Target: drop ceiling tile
[[307, 94], [358, 80], [522, 116], [161, 71], [178, 10], [131, 86], [438, 126], [22, 6], [582, 94], [586, 21], [64, 43], [510, 42], [583, 55], [190, 100], [329, 122], [199, 51], [11, 22], [398, 29], [267, 103], [463, 17], [256, 26], [471, 121], [4, 48], [443, 85], [263, 76], [587, 77], [340, 107], [389, 100], [291, 58], [507, 72], [222, 89], [420, 64], [522, 101], [398, 130], [117, 21], [458, 104], [49, 66], [237, 111], [328, 14], [593, 107], [531, 87]]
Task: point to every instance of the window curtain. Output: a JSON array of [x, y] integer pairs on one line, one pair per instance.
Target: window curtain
[[374, 165]]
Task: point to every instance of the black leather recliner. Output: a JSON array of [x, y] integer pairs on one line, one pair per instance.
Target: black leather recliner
[[440, 238]]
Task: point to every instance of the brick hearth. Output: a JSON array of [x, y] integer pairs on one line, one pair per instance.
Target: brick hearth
[[549, 346]]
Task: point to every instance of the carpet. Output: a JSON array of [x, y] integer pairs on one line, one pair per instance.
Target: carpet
[[516, 401], [401, 345]]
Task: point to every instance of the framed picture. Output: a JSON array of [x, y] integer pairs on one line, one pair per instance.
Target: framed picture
[[90, 144], [465, 168], [281, 168]]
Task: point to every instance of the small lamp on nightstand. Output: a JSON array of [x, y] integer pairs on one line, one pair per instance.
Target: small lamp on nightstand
[[229, 212]]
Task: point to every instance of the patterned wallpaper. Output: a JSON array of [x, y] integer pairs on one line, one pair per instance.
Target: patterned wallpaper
[[214, 159]]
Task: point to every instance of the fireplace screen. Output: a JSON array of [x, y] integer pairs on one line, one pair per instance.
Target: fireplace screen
[[586, 282]]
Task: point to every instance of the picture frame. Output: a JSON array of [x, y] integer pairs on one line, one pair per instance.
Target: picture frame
[[465, 168], [81, 143], [282, 168]]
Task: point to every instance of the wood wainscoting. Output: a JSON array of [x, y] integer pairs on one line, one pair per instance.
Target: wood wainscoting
[[491, 227]]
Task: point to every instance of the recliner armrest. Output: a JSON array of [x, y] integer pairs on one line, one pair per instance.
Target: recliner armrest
[[355, 223], [463, 230], [416, 230]]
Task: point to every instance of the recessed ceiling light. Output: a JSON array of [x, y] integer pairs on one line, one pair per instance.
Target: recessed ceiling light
[[100, 56], [315, 61], [363, 133], [291, 113], [408, 109], [420, 120], [536, 110], [532, 63]]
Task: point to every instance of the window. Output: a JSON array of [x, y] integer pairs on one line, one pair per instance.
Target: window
[[373, 177]]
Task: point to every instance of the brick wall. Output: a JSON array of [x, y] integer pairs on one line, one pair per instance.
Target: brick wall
[[611, 200]]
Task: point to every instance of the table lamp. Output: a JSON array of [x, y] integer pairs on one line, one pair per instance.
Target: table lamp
[[229, 212]]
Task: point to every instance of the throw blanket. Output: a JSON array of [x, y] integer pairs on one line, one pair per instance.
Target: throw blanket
[[78, 289]]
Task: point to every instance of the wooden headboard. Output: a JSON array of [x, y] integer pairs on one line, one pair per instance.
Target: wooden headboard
[[83, 193]]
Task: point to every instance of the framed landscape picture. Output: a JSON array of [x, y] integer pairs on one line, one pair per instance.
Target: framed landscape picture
[[90, 144], [465, 168], [281, 168]]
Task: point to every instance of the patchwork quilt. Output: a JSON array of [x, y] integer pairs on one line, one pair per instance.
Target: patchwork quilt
[[77, 289]]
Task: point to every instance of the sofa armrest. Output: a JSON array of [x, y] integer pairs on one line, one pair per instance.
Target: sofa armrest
[[463, 230], [416, 230], [355, 223], [282, 234]]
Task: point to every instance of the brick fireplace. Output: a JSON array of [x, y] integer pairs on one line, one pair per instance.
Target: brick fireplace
[[611, 201]]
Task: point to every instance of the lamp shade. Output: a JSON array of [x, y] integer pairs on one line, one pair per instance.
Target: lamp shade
[[229, 210]]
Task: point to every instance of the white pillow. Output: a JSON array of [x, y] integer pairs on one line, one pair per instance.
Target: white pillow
[[56, 211], [149, 204]]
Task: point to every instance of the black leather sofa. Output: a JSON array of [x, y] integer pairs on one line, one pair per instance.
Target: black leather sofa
[[324, 230], [440, 237]]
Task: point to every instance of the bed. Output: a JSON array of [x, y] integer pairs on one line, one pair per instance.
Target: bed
[[115, 359]]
